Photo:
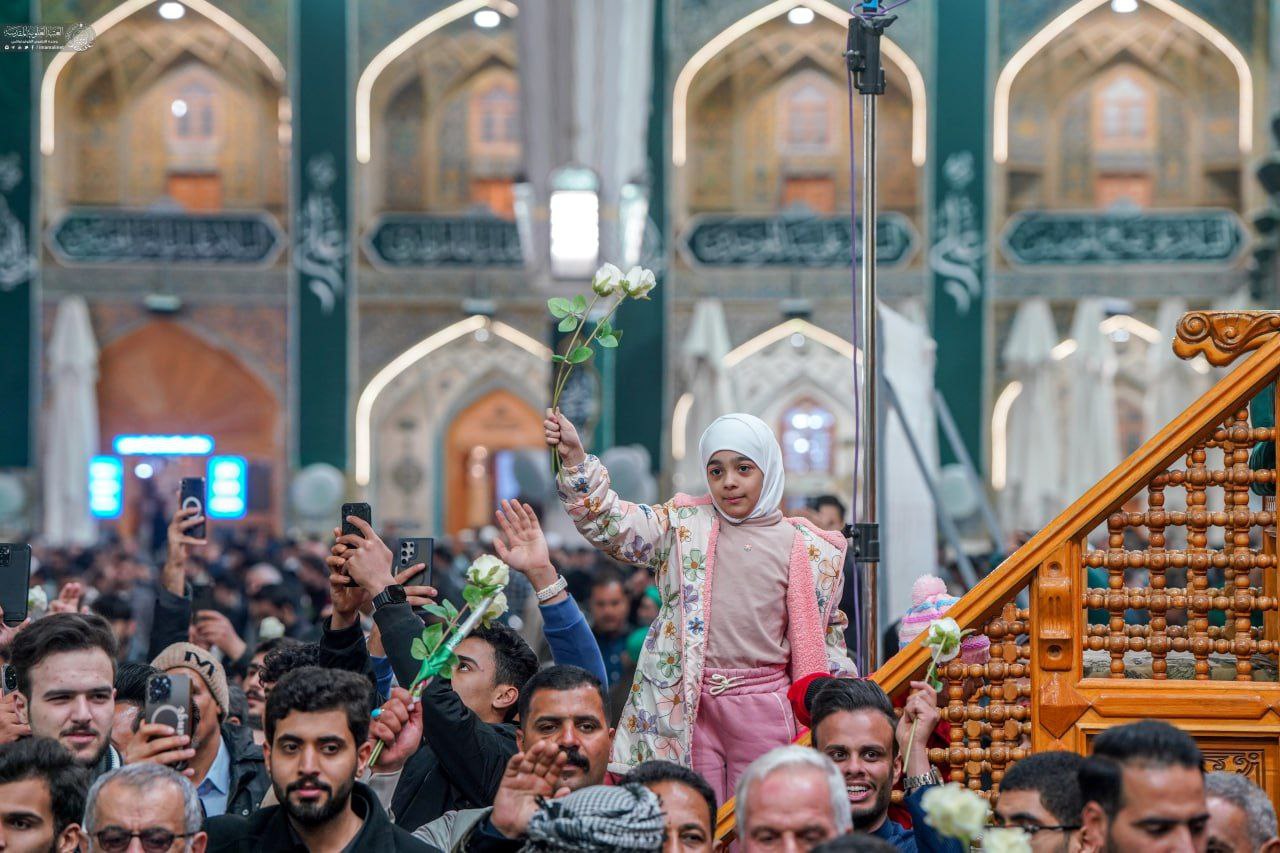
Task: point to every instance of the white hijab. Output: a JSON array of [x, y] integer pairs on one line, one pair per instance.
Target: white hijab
[[752, 437]]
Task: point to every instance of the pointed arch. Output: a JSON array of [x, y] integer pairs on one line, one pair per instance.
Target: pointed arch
[[1004, 83], [237, 30], [415, 354], [393, 51], [744, 25]]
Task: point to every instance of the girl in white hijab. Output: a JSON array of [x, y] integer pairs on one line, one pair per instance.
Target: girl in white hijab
[[749, 601]]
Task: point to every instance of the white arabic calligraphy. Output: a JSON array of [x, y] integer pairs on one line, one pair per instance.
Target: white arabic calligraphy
[[322, 247], [957, 250], [16, 262]]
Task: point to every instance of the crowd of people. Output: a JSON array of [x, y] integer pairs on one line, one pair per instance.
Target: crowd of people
[[625, 727]]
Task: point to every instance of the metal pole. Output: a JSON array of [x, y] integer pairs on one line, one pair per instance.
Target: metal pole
[[870, 639]]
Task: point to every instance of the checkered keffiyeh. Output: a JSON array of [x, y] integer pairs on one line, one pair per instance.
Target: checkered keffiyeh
[[625, 817]]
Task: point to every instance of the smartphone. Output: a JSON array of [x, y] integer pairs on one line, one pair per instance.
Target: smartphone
[[411, 552], [169, 702], [15, 581], [362, 511], [202, 598], [9, 679], [192, 495]]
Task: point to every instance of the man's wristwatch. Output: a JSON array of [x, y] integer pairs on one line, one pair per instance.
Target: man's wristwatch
[[393, 593], [911, 783], [548, 593]]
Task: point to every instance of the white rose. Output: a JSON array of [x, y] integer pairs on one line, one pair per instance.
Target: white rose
[[496, 608], [1009, 840], [955, 812], [270, 628], [37, 599], [639, 282], [607, 280], [944, 637], [488, 570]]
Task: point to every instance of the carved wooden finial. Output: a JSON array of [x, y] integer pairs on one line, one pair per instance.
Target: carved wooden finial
[[1223, 336]]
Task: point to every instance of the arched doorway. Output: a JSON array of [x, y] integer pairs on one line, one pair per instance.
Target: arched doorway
[[479, 455], [162, 379]]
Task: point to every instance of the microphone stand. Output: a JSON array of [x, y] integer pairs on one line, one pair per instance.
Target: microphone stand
[[864, 62]]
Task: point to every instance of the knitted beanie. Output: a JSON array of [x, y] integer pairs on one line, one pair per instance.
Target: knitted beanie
[[203, 664], [930, 601]]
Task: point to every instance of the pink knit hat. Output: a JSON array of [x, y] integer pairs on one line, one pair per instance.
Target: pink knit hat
[[930, 601]]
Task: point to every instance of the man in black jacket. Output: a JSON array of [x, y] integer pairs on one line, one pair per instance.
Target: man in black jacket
[[467, 736], [317, 727]]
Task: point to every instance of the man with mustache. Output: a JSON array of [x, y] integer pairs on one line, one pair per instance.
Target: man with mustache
[[66, 666], [853, 724], [317, 726], [560, 705]]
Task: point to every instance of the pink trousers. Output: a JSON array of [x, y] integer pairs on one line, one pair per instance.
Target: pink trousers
[[742, 714]]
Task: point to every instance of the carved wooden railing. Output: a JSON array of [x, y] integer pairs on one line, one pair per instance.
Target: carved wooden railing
[[1201, 649]]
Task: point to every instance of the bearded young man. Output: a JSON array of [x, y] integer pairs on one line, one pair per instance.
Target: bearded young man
[[853, 724], [317, 727]]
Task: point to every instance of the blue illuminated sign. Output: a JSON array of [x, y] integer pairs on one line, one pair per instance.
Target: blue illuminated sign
[[163, 445], [228, 487], [106, 487]]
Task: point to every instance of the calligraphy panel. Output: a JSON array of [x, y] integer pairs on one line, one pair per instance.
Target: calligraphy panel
[[1152, 237], [125, 236], [793, 241], [413, 240]]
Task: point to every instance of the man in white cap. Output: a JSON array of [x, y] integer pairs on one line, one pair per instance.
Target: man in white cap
[[222, 760]]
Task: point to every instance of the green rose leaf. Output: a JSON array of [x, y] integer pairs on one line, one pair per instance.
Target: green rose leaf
[[451, 612], [560, 307], [419, 649], [608, 341], [580, 355], [579, 303], [432, 635], [437, 610], [568, 324], [473, 595], [557, 358], [604, 328]]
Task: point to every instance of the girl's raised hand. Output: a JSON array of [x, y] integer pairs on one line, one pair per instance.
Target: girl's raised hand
[[562, 435]]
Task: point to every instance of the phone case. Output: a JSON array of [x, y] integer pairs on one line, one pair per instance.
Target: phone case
[[169, 703], [201, 598], [414, 550], [15, 580], [361, 511], [192, 495]]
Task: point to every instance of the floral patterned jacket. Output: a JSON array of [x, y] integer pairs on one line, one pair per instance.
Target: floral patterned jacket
[[676, 541]]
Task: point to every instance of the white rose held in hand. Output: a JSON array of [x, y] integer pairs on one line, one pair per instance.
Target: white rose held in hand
[[639, 282], [944, 638], [1008, 840], [488, 570], [955, 812], [37, 600], [607, 280], [496, 609]]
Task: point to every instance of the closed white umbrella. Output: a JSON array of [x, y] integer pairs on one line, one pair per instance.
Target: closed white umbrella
[[1033, 437], [72, 436], [709, 386], [1093, 434]]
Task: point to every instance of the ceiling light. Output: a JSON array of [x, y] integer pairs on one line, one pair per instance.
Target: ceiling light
[[802, 15], [487, 18], [178, 108], [1124, 6], [172, 11]]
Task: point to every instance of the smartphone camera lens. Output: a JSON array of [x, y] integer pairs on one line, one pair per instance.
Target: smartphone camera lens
[[160, 688], [5, 551]]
